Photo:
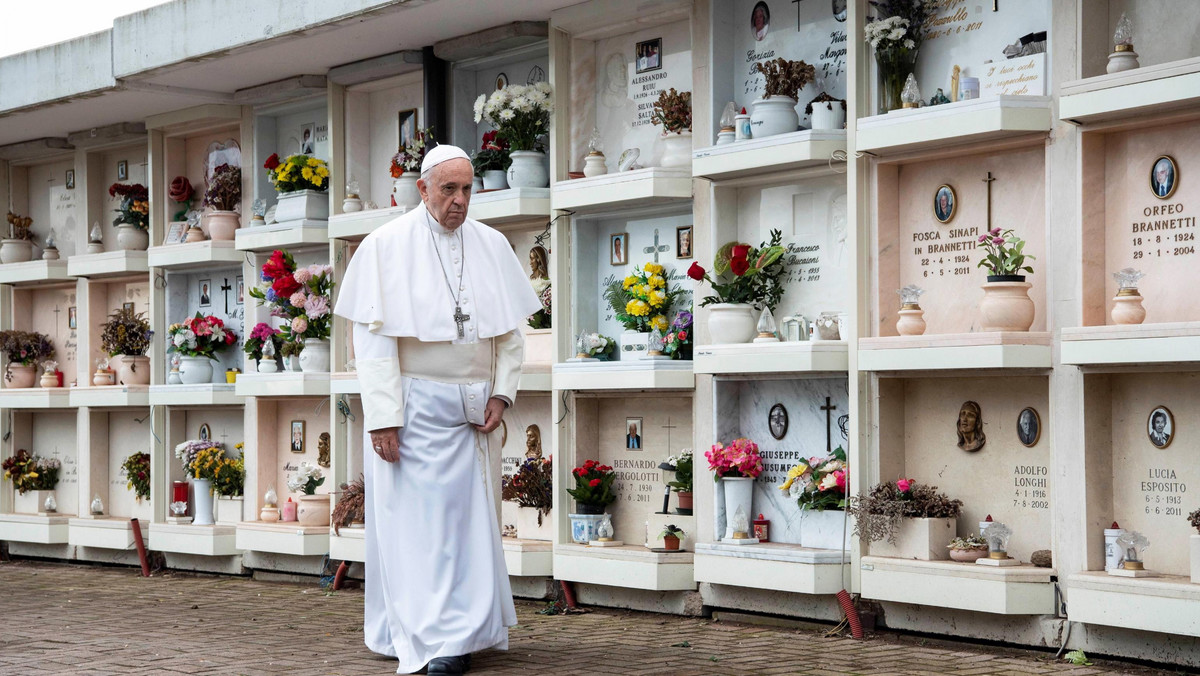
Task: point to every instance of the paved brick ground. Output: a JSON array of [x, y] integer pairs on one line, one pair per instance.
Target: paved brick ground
[[73, 619]]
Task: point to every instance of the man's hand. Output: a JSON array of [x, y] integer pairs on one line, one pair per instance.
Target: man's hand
[[492, 415], [387, 442]]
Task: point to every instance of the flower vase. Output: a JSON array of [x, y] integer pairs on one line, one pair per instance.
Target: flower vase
[[1006, 305], [202, 495], [405, 192], [133, 370], [528, 170], [911, 321], [315, 357], [894, 66], [773, 115], [731, 323], [670, 543], [132, 238], [195, 370], [677, 149], [222, 225], [967, 555], [495, 179], [739, 493], [1127, 307], [313, 510], [302, 205], [533, 525], [684, 499], [20, 376], [229, 509], [30, 502], [583, 526], [15, 251], [828, 115]]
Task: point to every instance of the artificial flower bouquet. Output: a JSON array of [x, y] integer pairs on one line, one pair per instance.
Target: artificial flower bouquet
[[532, 484], [259, 335], [410, 155], [738, 459], [541, 318], [181, 193], [224, 188], [1005, 253], [297, 172], [593, 484], [136, 469], [229, 474], [189, 452], [301, 296], [679, 337], [492, 154], [784, 78], [745, 274], [878, 513], [200, 336], [126, 332], [520, 113], [135, 205], [31, 472], [642, 301], [25, 348], [595, 346], [818, 483], [306, 479]]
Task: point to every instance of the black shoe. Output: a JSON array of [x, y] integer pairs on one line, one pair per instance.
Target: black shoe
[[449, 665]]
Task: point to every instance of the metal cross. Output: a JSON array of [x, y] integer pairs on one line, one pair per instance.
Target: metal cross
[[224, 434], [56, 311], [459, 318], [797, 4], [668, 427], [988, 181], [657, 248], [995, 5], [226, 289], [828, 408]]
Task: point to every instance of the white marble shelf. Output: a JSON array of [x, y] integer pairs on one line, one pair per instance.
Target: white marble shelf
[[653, 186], [34, 273], [357, 225], [498, 207], [629, 566], [782, 152], [625, 375], [111, 395], [43, 529], [105, 532], [195, 255], [210, 394], [1009, 590], [956, 351], [954, 124], [1129, 344], [286, 235], [350, 544], [35, 397], [283, 384], [344, 382], [782, 357], [215, 540], [536, 377], [1166, 603], [108, 264], [526, 558], [772, 565], [282, 538], [1133, 96]]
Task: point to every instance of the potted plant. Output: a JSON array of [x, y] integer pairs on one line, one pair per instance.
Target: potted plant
[[197, 340], [819, 487], [671, 536], [260, 335], [826, 112], [313, 509], [351, 507], [34, 479], [641, 303], [521, 115], [300, 296], [735, 466], [492, 161], [136, 469], [24, 349], [747, 279], [229, 479], [673, 112], [679, 338], [200, 458], [904, 519], [1006, 305], [133, 215], [775, 113], [969, 549], [682, 485], [222, 197], [302, 182], [895, 34], [18, 246], [406, 169], [125, 338], [533, 490], [593, 492], [290, 351]]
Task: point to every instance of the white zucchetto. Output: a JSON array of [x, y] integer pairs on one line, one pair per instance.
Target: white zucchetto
[[442, 153]]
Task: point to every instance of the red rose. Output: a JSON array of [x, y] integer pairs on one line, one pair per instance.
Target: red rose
[[272, 162], [741, 251], [285, 286], [605, 468], [277, 267], [739, 266], [181, 189], [683, 335], [594, 482], [696, 272]]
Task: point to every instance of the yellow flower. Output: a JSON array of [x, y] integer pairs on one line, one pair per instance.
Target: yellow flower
[[657, 282], [313, 162], [653, 268], [793, 474], [307, 173], [657, 298], [317, 181], [660, 323], [322, 171], [629, 282], [637, 308]]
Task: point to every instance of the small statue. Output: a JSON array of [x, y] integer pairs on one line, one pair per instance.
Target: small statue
[[533, 442], [939, 98], [323, 449], [539, 263], [970, 427]]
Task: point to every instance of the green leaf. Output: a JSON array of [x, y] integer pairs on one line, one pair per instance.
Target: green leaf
[[768, 256], [724, 255], [685, 644]]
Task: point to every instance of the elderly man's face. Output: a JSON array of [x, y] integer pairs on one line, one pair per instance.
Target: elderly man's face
[[966, 420], [1161, 173], [447, 193]]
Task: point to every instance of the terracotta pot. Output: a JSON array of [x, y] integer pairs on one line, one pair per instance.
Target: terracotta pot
[[1127, 308], [911, 321], [1006, 306], [967, 555], [685, 500], [313, 510], [19, 376], [222, 224], [670, 542]]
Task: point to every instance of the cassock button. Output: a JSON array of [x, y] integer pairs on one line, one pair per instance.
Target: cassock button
[[471, 397]]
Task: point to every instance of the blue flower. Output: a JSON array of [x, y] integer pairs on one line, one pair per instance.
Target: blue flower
[[271, 295]]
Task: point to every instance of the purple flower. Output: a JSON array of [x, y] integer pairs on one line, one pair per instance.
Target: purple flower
[[997, 240], [983, 238], [994, 231], [271, 296]]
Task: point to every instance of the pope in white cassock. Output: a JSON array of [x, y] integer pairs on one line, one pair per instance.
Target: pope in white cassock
[[437, 302]]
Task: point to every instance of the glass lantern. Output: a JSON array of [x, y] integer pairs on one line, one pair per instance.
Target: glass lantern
[[910, 96], [768, 331], [728, 131], [97, 505], [258, 209], [1134, 544], [50, 241], [997, 535], [1123, 36], [909, 296], [271, 499], [604, 530], [96, 235], [51, 505], [655, 344], [595, 142], [352, 188], [179, 508], [1127, 281], [741, 524]]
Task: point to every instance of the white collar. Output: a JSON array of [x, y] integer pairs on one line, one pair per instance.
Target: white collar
[[437, 228]]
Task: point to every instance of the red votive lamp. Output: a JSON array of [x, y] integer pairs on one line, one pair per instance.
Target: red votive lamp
[[762, 529], [179, 491]]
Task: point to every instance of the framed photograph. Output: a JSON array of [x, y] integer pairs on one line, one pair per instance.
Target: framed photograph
[[683, 241], [205, 432], [760, 20], [1164, 176], [618, 248], [501, 81], [205, 292], [1029, 427], [839, 10], [944, 204], [127, 306], [777, 421], [71, 321], [307, 138], [70, 179], [648, 55], [408, 125], [176, 232], [1160, 427], [241, 291], [633, 434], [297, 444], [123, 170]]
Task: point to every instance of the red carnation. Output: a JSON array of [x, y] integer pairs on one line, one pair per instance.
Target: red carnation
[[272, 162], [285, 286], [683, 335], [696, 272], [277, 267], [594, 482]]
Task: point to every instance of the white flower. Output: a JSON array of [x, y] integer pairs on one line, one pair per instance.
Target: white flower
[[479, 107], [522, 104], [544, 87], [830, 481], [507, 114], [897, 34], [909, 44]]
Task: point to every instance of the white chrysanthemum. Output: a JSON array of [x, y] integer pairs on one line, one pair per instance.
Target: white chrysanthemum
[[507, 114], [544, 87], [522, 104], [897, 34], [909, 44], [479, 108]]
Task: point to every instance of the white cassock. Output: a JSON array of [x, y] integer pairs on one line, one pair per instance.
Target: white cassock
[[437, 585]]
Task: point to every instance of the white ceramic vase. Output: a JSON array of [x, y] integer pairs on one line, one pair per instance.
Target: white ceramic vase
[[315, 357], [15, 251], [911, 321], [731, 323], [495, 179], [195, 370], [528, 526], [825, 529], [828, 115], [1127, 308], [677, 149], [583, 527], [405, 192], [133, 370], [309, 205], [773, 115], [633, 344], [528, 170], [739, 493], [593, 165], [30, 502], [1006, 306], [202, 515], [132, 238], [222, 225], [229, 510]]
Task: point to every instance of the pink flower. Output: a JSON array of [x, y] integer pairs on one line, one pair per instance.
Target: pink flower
[[904, 485], [317, 269], [302, 275], [299, 325], [994, 232], [297, 299], [997, 240], [316, 306], [983, 238]]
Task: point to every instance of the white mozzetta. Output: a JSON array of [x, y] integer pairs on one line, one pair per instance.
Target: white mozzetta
[[528, 557], [953, 124], [782, 357], [1133, 94], [623, 190], [287, 383], [1168, 603], [771, 565], [359, 224], [113, 395], [1014, 590], [35, 397], [282, 235], [508, 206], [105, 532], [35, 528], [1131, 344], [956, 351], [628, 566], [344, 382], [193, 255], [34, 272], [194, 395], [350, 544], [781, 152], [624, 375], [188, 539], [283, 538], [108, 264]]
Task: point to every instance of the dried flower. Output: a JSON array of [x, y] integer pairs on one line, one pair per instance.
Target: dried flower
[[126, 332], [784, 78], [673, 111], [224, 189]]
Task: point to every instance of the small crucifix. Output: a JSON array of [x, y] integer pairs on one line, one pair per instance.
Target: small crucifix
[[657, 248], [668, 427], [988, 181], [459, 318], [56, 311], [829, 409], [224, 435], [227, 288], [797, 4]]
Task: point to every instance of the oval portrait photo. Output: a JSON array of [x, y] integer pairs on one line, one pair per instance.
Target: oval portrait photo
[[944, 203], [760, 20], [1163, 177], [1029, 427], [1160, 427]]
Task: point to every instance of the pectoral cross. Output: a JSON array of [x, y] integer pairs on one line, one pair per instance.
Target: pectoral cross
[[459, 318], [988, 181], [657, 248], [828, 408], [226, 289]]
